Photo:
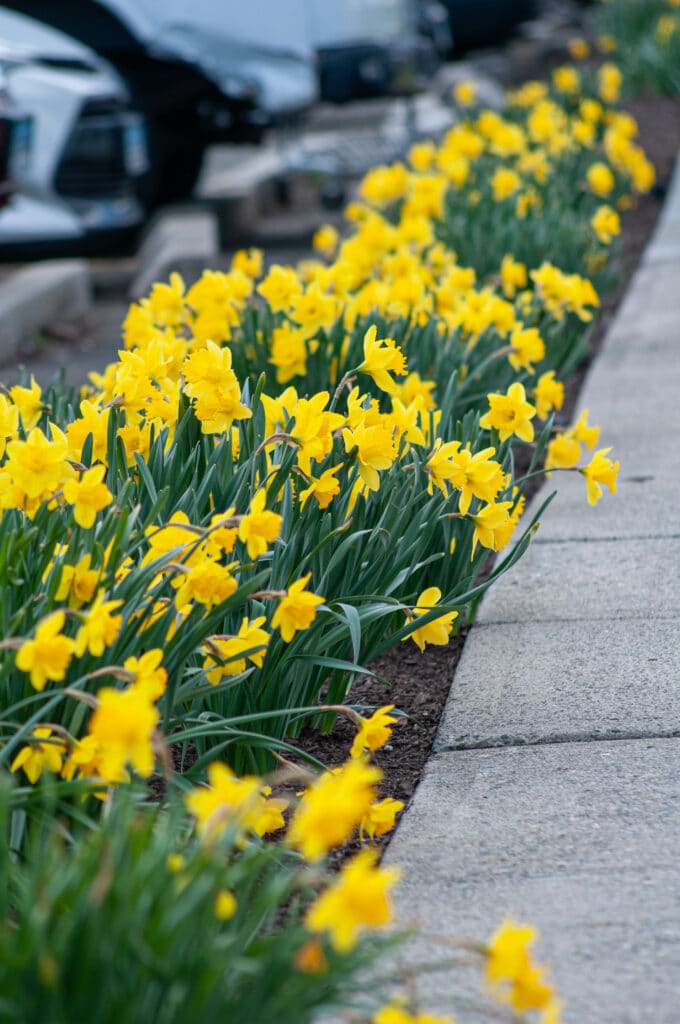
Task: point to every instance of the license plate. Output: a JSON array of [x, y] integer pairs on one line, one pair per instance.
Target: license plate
[[20, 149], [135, 147]]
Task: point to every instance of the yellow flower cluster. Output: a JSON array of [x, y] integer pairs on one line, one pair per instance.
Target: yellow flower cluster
[[514, 979], [328, 812], [389, 340], [198, 524]]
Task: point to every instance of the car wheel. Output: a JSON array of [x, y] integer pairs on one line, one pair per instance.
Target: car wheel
[[175, 160]]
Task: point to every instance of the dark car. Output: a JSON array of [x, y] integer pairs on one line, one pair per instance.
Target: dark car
[[15, 137], [477, 23], [184, 109]]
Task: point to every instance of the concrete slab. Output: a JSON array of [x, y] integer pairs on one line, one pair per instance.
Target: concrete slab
[[38, 295], [579, 839], [629, 394], [648, 314], [645, 504], [176, 240], [588, 581], [665, 243], [671, 208], [666, 249], [557, 681], [633, 342]]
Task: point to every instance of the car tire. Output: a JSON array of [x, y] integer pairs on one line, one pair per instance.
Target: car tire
[[175, 161]]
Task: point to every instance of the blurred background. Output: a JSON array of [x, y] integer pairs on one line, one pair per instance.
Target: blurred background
[[113, 108], [138, 132]]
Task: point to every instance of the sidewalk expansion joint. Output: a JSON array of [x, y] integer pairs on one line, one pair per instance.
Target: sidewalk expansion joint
[[573, 621], [605, 540], [514, 742]]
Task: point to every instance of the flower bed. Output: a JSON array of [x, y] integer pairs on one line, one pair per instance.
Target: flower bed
[[644, 35], [284, 475]]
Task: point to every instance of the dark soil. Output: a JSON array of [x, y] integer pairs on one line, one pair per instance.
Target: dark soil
[[419, 683]]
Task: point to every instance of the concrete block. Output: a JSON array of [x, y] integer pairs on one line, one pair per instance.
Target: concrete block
[[38, 295], [665, 247], [578, 839], [238, 185], [648, 314], [671, 207], [637, 391], [176, 240], [645, 504], [588, 581], [540, 682], [665, 242]]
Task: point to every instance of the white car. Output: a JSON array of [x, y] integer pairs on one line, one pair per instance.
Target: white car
[[87, 149], [202, 71]]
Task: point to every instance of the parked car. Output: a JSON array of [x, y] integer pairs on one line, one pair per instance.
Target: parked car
[[223, 70], [200, 71], [434, 23], [477, 23], [15, 140], [88, 146], [372, 47]]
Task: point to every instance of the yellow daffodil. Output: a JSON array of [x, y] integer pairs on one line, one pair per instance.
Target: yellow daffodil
[[150, 677], [563, 452], [225, 905], [297, 610], [288, 353], [606, 224], [88, 495], [332, 807], [376, 450], [438, 630], [47, 656], [373, 732], [77, 583], [396, 1014], [510, 414], [209, 583], [323, 489], [600, 179], [380, 818], [232, 803], [381, 358], [357, 901], [122, 725], [29, 403], [493, 526], [527, 347], [36, 757], [510, 973], [100, 627], [600, 472], [260, 527], [548, 394], [465, 93], [250, 643]]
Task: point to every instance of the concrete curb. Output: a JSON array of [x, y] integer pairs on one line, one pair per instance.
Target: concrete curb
[[176, 240], [238, 196], [551, 794], [35, 296]]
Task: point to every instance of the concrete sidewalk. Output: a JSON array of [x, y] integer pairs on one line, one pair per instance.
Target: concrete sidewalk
[[553, 792]]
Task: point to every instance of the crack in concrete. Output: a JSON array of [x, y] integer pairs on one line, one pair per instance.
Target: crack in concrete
[[606, 540], [515, 742], [585, 620]]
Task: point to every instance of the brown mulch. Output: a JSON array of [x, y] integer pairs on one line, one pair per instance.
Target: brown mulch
[[419, 683]]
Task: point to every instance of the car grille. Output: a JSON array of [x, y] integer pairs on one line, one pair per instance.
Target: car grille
[[93, 163]]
